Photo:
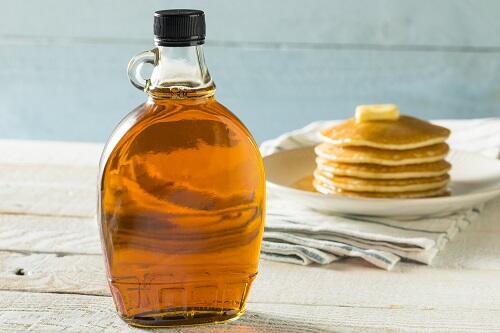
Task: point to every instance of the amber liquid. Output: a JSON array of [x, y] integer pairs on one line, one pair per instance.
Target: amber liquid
[[182, 197]]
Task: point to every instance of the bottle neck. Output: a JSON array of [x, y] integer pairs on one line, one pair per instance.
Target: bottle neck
[[180, 73]]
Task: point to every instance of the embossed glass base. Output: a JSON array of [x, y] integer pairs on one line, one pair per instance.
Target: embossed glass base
[[183, 317], [181, 303]]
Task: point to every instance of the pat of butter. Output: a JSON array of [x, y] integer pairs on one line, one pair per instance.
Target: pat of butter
[[376, 112]]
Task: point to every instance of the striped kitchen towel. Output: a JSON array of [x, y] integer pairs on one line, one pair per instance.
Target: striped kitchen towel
[[299, 235]]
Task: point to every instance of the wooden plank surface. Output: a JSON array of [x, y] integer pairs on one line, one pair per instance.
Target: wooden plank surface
[[271, 61], [52, 271], [75, 313], [43, 154], [41, 233], [350, 283], [262, 86], [455, 23]]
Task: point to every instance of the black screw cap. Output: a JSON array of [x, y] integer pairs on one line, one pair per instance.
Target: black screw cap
[[179, 27]]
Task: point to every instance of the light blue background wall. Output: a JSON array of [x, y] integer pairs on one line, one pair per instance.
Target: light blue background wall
[[277, 64]]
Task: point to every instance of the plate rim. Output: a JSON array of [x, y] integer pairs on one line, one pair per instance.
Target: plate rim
[[434, 200]]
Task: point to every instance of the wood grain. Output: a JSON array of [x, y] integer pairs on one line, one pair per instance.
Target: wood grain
[[459, 289], [43, 190], [65, 195], [47, 200], [465, 275], [54, 234], [75, 313], [45, 155], [52, 272], [48, 178]]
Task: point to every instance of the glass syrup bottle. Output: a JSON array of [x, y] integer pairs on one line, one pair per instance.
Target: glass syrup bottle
[[181, 191]]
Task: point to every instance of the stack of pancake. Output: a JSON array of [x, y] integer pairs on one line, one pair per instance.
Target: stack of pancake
[[383, 155]]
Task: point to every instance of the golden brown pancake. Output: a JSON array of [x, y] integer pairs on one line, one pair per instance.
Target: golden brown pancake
[[376, 171], [405, 133], [381, 185], [327, 189], [359, 154]]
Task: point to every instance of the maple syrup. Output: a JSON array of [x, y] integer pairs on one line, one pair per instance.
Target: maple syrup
[[181, 191]]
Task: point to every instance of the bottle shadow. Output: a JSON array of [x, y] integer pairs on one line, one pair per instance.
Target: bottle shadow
[[259, 322]]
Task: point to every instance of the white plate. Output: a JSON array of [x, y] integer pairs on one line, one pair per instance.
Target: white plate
[[474, 179]]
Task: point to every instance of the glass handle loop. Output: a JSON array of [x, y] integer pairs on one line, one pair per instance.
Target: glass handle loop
[[135, 66]]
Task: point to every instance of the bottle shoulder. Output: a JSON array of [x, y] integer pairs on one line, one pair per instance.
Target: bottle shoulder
[[178, 124]]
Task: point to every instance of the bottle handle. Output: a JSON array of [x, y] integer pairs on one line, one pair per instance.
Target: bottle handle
[[135, 66]]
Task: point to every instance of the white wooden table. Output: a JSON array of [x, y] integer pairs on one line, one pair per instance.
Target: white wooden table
[[52, 274]]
